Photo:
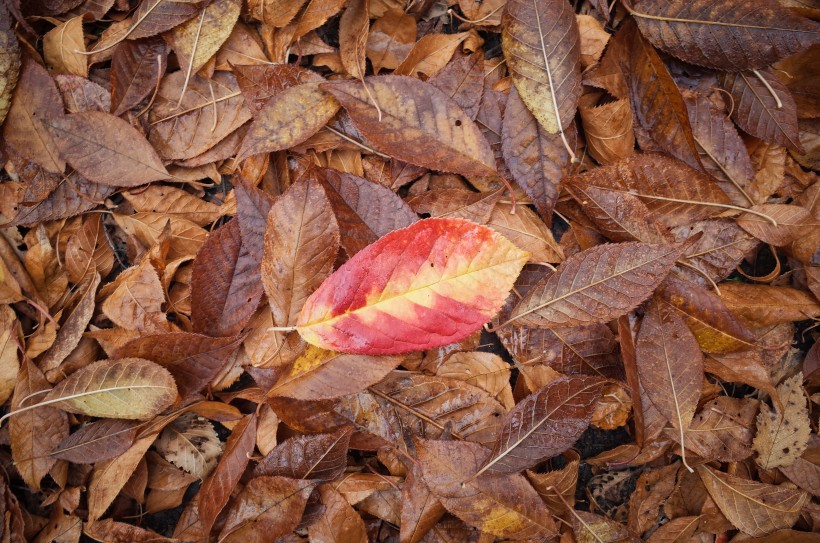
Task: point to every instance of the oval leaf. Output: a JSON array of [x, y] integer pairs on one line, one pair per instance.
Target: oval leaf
[[129, 388], [416, 123], [424, 286]]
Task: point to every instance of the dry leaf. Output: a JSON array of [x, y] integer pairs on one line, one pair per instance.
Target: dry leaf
[[782, 436]]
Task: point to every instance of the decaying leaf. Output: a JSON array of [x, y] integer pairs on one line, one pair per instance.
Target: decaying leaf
[[782, 436]]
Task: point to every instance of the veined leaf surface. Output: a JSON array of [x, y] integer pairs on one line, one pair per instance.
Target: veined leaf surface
[[424, 286]]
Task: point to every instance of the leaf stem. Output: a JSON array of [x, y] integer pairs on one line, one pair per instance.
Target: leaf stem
[[769, 88]]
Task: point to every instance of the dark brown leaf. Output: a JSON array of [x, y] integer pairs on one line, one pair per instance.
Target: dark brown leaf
[[319, 457], [224, 292], [135, 68]]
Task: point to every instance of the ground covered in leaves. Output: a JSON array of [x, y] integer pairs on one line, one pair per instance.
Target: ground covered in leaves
[[409, 271]]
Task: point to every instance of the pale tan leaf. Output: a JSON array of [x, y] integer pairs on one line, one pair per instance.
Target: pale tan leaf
[[9, 362], [391, 38], [430, 54], [526, 231], [199, 38], [484, 370], [110, 476], [782, 436], [63, 47], [190, 443], [136, 302], [754, 508]]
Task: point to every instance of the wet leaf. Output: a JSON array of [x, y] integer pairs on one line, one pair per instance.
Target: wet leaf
[[390, 40], [544, 424], [754, 508], [97, 441], [319, 457], [732, 36], [503, 505], [541, 44]]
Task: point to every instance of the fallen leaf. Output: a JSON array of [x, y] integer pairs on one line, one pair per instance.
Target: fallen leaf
[[416, 123], [390, 40], [129, 388], [749, 37], [430, 54], [318, 457], [503, 505], [63, 47], [542, 46], [97, 441], [722, 429], [762, 305], [432, 273], [10, 67], [783, 435], [544, 424], [106, 149], [190, 442], [754, 508]]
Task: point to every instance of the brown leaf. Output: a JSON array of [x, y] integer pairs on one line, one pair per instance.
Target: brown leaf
[[267, 508], [754, 508], [97, 441], [197, 40], [365, 211], [339, 522], [319, 374], [656, 100], [544, 424], [391, 38], [619, 275], [81, 94], [155, 16], [655, 179], [190, 442], [353, 27], [36, 432], [676, 530], [537, 159], [504, 505], [790, 222], [721, 247], [186, 125], [128, 388], [72, 196], [722, 430], [106, 149], [224, 290], [457, 203], [487, 371], [526, 231], [670, 365], [318, 457], [620, 216], [194, 360], [783, 435], [35, 102], [608, 128], [721, 151], [135, 67], [260, 83], [762, 305], [289, 118], [733, 36], [111, 531], [300, 247], [216, 490], [171, 201], [71, 331], [63, 48], [88, 251], [110, 476], [716, 328], [420, 509], [9, 363], [589, 527], [418, 124], [462, 79], [430, 54], [136, 302], [756, 109], [10, 64], [541, 44]]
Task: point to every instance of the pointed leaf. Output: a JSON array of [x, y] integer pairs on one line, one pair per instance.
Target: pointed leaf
[[321, 457], [198, 39], [596, 285], [754, 508], [418, 124], [541, 44], [97, 441], [446, 277], [106, 149], [504, 505], [544, 424], [300, 245], [732, 35], [129, 388], [134, 69]]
